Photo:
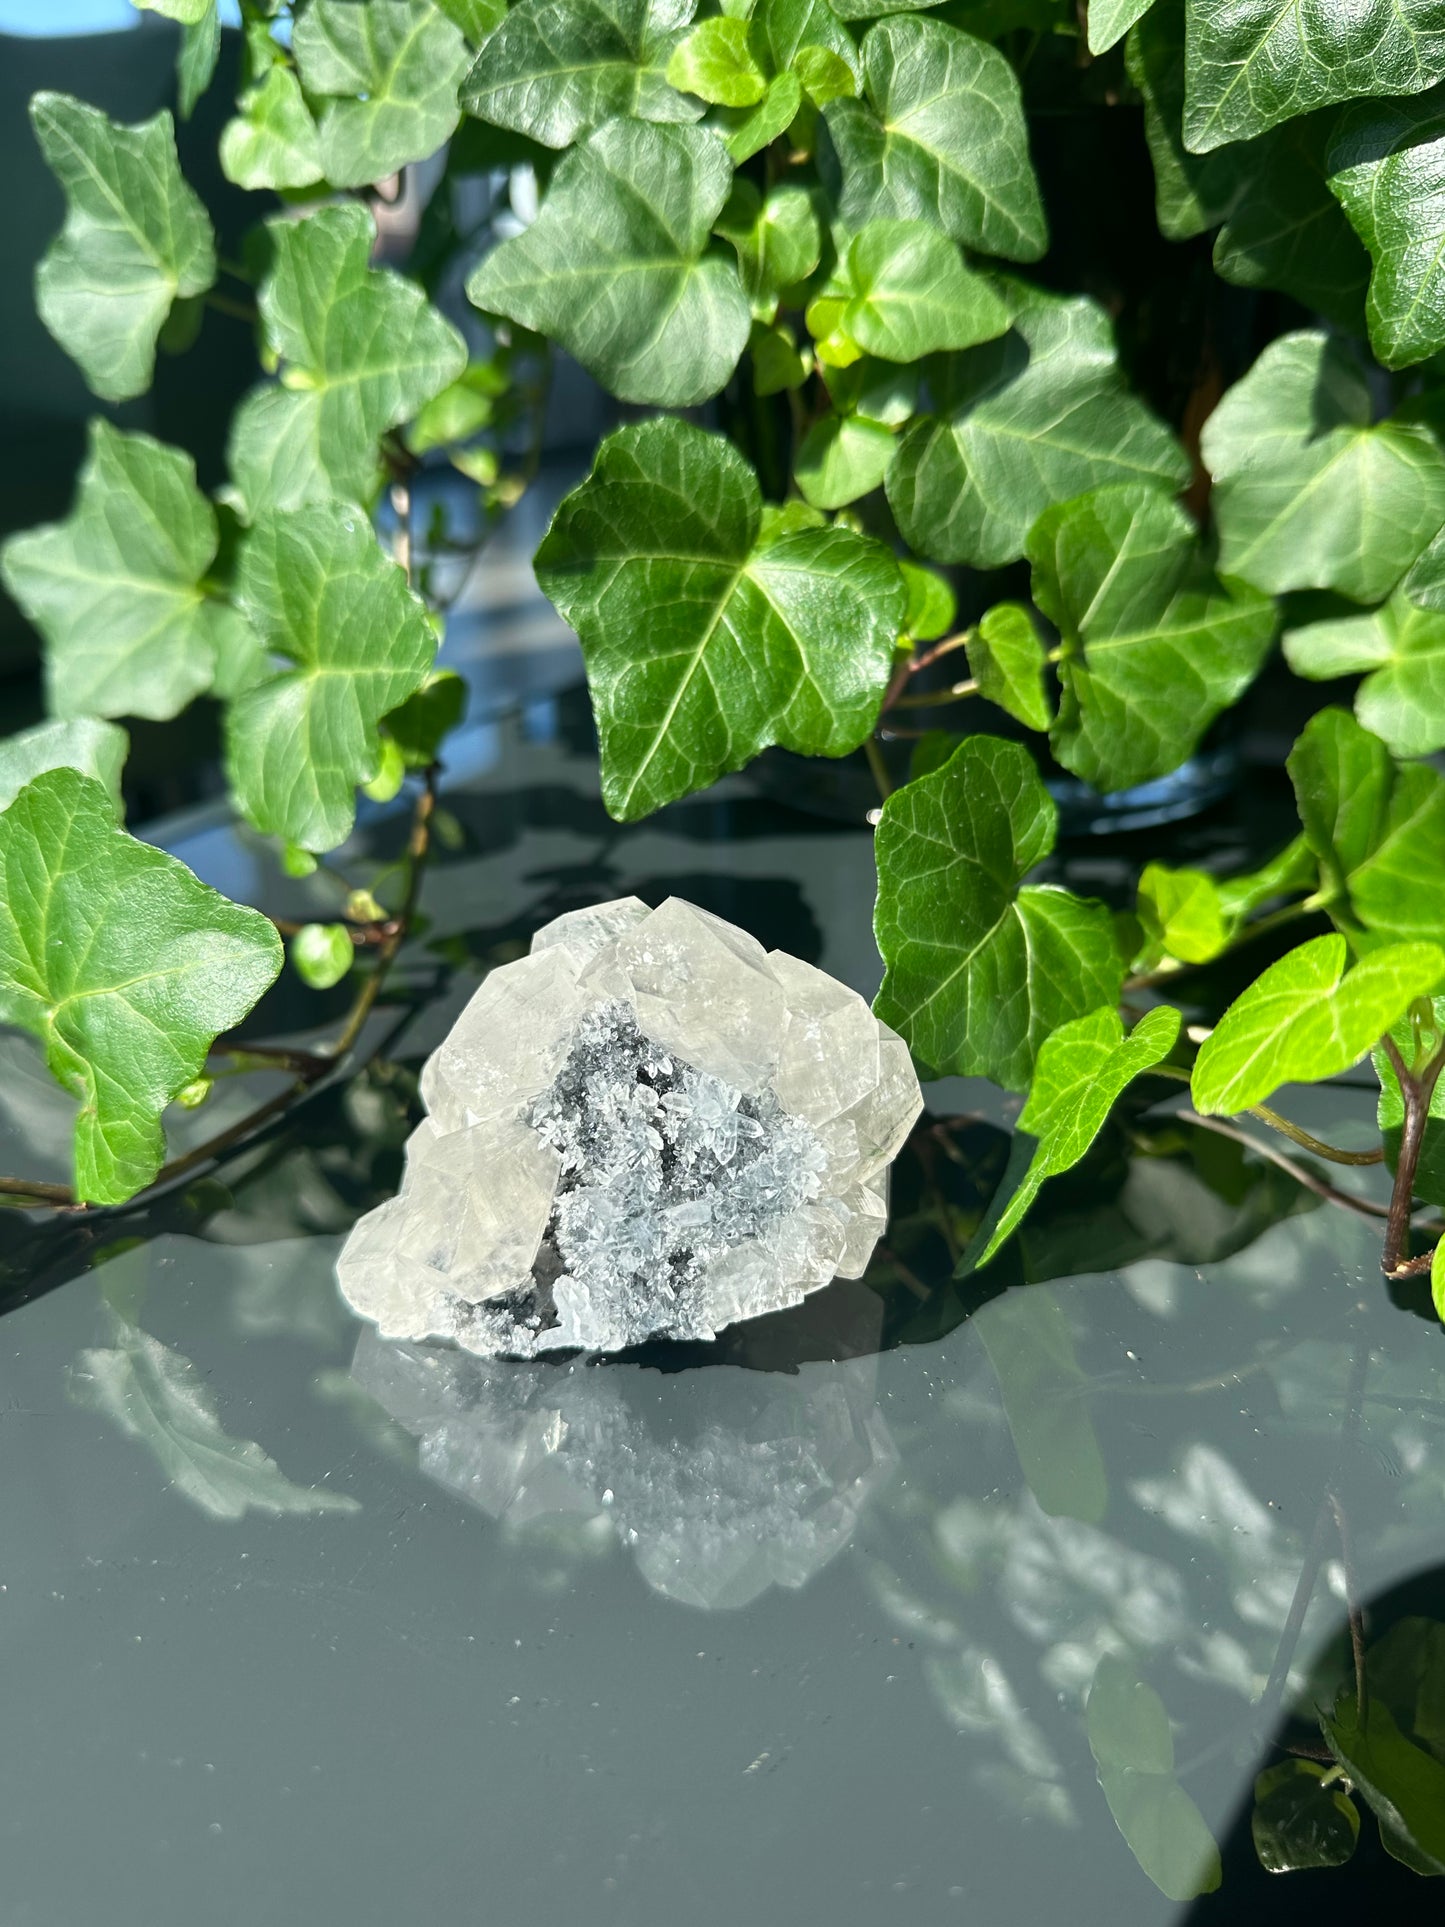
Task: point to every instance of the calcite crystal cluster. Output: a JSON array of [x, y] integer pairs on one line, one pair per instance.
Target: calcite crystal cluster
[[648, 1127]]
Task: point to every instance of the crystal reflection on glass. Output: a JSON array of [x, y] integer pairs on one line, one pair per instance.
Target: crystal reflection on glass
[[720, 1482], [648, 1127]]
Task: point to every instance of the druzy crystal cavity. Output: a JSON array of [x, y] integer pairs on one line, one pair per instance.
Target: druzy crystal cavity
[[649, 1127]]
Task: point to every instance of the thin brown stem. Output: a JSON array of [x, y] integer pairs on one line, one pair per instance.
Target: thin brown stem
[[1309, 1142], [879, 768], [401, 508], [237, 310], [1417, 1091], [34, 1190], [1364, 1206]]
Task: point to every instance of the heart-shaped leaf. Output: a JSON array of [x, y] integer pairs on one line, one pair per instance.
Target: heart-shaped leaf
[[122, 964], [1006, 658], [272, 141], [1402, 647], [385, 75], [908, 294]]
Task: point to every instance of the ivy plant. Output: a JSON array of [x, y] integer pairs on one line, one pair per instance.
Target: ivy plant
[[886, 356]]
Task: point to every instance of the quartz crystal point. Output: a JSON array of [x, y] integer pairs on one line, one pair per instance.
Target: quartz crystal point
[[649, 1127]]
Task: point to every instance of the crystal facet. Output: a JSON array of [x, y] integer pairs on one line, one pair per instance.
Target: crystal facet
[[648, 1127]]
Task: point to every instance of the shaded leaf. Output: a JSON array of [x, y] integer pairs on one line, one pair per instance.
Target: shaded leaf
[[1403, 1784], [557, 69], [908, 294], [118, 589], [427, 717], [1390, 1111], [1300, 1822], [122, 964], [1133, 1749], [708, 635], [941, 137], [1082, 1068], [840, 458], [81, 743], [1342, 779], [617, 268], [1305, 1019], [135, 240], [979, 970], [361, 350], [1253, 63], [476, 18], [785, 31], [1019, 423], [272, 141], [779, 240], [1309, 493], [320, 592], [1154, 645], [932, 608], [1387, 165], [768, 121], [1402, 647], [1006, 659], [386, 75]]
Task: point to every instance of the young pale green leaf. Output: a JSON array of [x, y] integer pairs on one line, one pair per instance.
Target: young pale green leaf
[[1133, 1748], [715, 61], [1082, 1068], [81, 743], [1110, 20], [1402, 647], [1308, 492], [840, 458], [1416, 1042], [1300, 1821], [389, 776], [1253, 63], [708, 635], [617, 269], [941, 137], [1294, 869], [779, 241], [1403, 1784], [1154, 645], [1387, 165], [1182, 914], [361, 350], [910, 295], [135, 240], [932, 608], [979, 970], [385, 75], [1306, 1019], [1437, 1280], [785, 31], [319, 590], [118, 588], [556, 70], [426, 718], [272, 141], [1031, 419], [1006, 659], [322, 954], [768, 121], [824, 75], [122, 964]]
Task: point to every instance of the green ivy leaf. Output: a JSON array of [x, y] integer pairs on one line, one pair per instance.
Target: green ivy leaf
[[556, 70], [840, 458], [1385, 890], [272, 141], [777, 365], [932, 608], [1192, 192], [771, 118], [786, 32], [1293, 869], [1006, 659], [824, 75], [1082, 1068], [81, 743], [361, 351], [779, 241], [122, 964], [909, 294], [1402, 647], [1390, 1110], [386, 76], [979, 970], [1403, 1784], [322, 954], [1253, 63], [357, 643], [715, 62], [1110, 20], [196, 59], [186, 13], [118, 588], [616, 267], [1308, 493], [1300, 1822], [1305, 1019], [1182, 914], [1154, 645], [477, 18], [941, 138], [1387, 165], [425, 719], [708, 635], [1342, 778], [136, 239], [1133, 1749], [1034, 418]]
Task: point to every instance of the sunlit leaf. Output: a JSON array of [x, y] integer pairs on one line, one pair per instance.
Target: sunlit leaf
[[617, 267], [196, 59], [707, 634], [1306, 1018], [135, 240], [1387, 165], [272, 141], [1110, 20], [908, 294], [979, 969], [1133, 1748], [1006, 659], [322, 954], [715, 61], [1309, 491], [81, 743], [778, 239], [1183, 915], [355, 642], [122, 964], [760, 126], [385, 75], [118, 589], [1400, 649]]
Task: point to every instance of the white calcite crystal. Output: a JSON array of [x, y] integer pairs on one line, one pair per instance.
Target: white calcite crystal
[[650, 1127]]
